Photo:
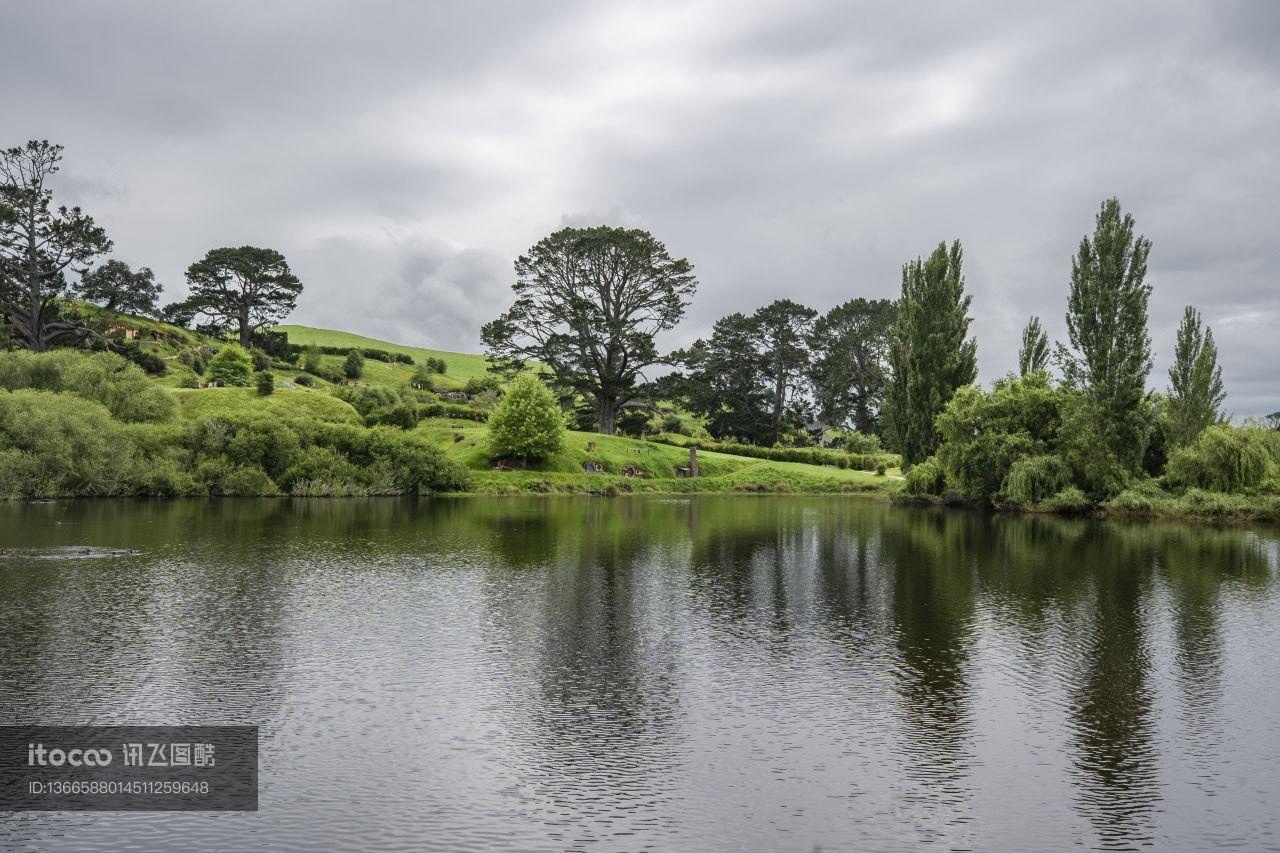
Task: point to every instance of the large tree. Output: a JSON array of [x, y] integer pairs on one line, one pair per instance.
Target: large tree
[[724, 381], [1110, 353], [589, 302], [930, 355], [1033, 357], [1195, 380], [117, 288], [245, 289], [39, 245], [850, 345], [783, 328]]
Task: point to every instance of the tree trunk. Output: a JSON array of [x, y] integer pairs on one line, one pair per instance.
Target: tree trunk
[[607, 415], [246, 333]]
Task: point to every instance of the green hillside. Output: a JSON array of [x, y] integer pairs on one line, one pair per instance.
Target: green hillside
[[462, 366]]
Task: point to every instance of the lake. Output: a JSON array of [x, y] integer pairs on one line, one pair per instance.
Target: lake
[[707, 673]]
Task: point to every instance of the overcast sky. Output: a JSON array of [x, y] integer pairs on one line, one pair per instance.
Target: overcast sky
[[402, 154]]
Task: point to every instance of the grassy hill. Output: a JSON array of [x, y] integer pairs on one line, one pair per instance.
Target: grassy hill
[[462, 366], [465, 441]]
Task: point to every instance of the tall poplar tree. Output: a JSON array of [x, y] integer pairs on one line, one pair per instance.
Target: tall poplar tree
[[1195, 380], [930, 353], [1110, 354], [1033, 357]]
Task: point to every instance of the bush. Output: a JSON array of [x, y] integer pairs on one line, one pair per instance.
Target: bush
[[925, 479], [880, 469], [1069, 500], [452, 410], [231, 366], [266, 382], [1034, 479], [331, 373], [311, 359], [59, 444], [261, 361], [149, 361], [482, 384], [528, 422], [353, 365], [304, 380], [402, 415], [861, 443], [104, 378], [1223, 459]]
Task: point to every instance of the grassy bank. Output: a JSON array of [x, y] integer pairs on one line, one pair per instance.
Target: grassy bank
[[566, 471]]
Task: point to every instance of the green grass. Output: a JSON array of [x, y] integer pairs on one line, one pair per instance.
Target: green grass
[[467, 443], [462, 366], [198, 403]]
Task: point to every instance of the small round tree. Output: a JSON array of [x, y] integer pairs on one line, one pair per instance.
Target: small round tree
[[528, 422], [231, 366], [266, 381], [353, 367]]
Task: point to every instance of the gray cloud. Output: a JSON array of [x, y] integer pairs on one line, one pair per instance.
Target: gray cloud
[[401, 155]]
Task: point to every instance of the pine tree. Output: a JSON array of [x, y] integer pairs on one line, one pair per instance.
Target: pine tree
[[1195, 380], [1034, 355], [930, 356], [1107, 326]]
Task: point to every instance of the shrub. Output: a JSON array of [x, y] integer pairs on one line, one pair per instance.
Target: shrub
[[266, 382], [353, 365], [149, 361], [861, 442], [1069, 500], [402, 415], [528, 422], [311, 359], [925, 479], [482, 384], [231, 366], [1035, 479], [261, 361], [1223, 459], [880, 469], [331, 373], [104, 378], [59, 444], [304, 380]]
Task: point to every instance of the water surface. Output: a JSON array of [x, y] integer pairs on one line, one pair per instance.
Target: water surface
[[714, 673]]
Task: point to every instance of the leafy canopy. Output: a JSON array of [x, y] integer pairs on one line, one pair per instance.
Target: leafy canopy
[[850, 346], [39, 244], [528, 422], [589, 302], [245, 289], [118, 289]]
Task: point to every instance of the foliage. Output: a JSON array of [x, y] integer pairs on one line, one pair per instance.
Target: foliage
[[930, 357], [245, 289], [1195, 381], [61, 444], [1225, 459], [724, 381], [39, 245], [104, 378], [783, 329], [1107, 326], [859, 442], [925, 479], [265, 381], [353, 364], [149, 361], [1033, 356], [118, 289], [850, 345], [231, 365], [983, 433], [528, 422], [1069, 500], [589, 302], [1034, 479]]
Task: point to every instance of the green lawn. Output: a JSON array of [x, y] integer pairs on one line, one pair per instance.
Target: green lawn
[[467, 443], [197, 403], [462, 365]]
